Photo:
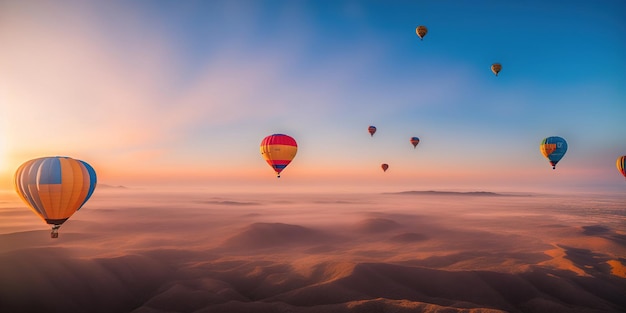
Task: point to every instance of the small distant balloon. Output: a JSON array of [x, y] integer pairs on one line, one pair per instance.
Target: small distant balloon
[[371, 130], [421, 31], [384, 166], [55, 188], [415, 141], [621, 165], [278, 150], [553, 148], [496, 68]]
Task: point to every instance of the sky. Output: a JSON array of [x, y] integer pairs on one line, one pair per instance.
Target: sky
[[181, 93]]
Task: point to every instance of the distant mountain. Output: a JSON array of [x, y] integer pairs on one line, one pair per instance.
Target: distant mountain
[[105, 186], [450, 193]]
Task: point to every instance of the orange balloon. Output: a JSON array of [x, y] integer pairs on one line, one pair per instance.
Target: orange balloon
[[55, 187], [496, 68], [421, 31]]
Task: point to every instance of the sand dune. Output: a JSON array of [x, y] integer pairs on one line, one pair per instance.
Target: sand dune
[[604, 232], [265, 235], [378, 254], [376, 225], [408, 237], [50, 280]]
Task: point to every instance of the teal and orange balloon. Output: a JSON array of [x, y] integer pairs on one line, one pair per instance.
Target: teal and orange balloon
[[621, 165], [278, 150], [415, 141], [553, 148], [55, 187], [371, 130]]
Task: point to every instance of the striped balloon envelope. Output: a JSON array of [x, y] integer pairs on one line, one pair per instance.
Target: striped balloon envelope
[[278, 150], [371, 130], [553, 148], [621, 165], [415, 141], [55, 187]]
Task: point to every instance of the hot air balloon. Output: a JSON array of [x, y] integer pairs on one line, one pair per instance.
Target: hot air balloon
[[496, 68], [421, 31], [371, 130], [55, 187], [415, 141], [553, 148], [621, 165], [278, 150], [384, 166]]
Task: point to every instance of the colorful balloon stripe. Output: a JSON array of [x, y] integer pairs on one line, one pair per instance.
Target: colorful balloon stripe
[[278, 150]]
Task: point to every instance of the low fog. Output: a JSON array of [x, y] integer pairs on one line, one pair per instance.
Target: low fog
[[135, 251]]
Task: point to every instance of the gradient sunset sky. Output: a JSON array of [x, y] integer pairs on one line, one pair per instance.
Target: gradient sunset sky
[[179, 93]]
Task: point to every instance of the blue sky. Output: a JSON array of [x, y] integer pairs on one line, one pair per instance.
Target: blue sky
[[190, 88]]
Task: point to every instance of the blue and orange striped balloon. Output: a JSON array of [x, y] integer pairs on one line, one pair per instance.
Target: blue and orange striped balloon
[[278, 151], [55, 187], [553, 148]]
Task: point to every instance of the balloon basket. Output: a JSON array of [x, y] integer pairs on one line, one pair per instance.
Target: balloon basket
[[55, 231]]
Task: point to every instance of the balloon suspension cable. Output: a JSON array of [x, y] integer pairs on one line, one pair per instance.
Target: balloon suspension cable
[[55, 231]]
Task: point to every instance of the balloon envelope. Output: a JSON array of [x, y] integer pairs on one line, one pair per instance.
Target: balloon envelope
[[496, 68], [55, 187], [278, 150], [384, 166], [421, 31], [621, 165], [415, 141], [553, 148], [371, 130]]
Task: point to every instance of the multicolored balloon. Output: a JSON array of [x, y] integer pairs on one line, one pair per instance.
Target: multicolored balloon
[[384, 166], [496, 68], [421, 31], [553, 148], [415, 141], [621, 165], [371, 130], [278, 150], [55, 187]]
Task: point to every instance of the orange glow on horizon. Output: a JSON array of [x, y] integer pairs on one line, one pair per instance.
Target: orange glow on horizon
[[306, 174]]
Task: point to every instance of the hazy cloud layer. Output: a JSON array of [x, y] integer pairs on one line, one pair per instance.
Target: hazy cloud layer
[[131, 251]]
